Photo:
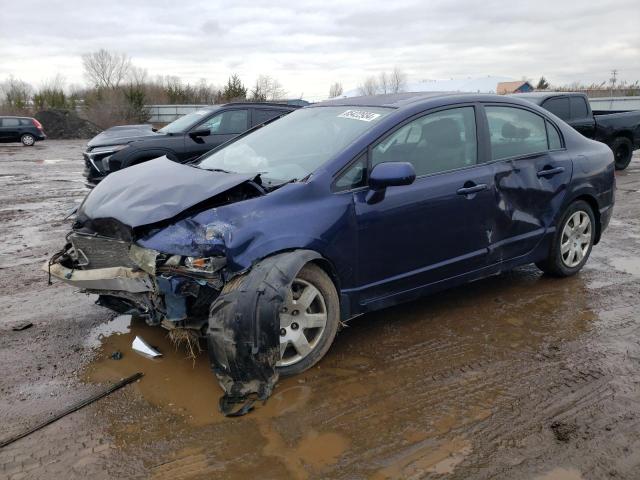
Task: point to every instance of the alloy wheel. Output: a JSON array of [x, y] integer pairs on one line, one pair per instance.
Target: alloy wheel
[[303, 319], [576, 238]]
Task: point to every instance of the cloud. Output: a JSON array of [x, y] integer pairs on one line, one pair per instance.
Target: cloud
[[309, 44]]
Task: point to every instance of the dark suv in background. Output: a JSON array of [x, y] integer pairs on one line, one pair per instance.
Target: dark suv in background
[[184, 139], [21, 129]]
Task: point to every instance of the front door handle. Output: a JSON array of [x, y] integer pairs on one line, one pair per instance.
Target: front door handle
[[472, 189], [549, 172]]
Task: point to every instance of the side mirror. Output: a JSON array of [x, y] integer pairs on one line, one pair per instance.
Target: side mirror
[[389, 174], [203, 132]]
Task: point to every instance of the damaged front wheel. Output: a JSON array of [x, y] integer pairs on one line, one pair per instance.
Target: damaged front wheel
[[279, 318]]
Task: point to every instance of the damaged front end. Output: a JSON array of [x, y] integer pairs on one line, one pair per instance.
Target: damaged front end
[[168, 290], [183, 282]]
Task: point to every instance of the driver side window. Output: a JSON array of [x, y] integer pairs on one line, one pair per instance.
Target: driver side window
[[227, 123], [436, 142]]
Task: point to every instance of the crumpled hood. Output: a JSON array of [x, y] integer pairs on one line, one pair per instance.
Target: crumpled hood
[[154, 191], [122, 134]]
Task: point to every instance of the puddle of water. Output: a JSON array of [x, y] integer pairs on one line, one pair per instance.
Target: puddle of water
[[174, 381], [119, 325], [321, 449], [315, 450], [561, 474], [49, 161]]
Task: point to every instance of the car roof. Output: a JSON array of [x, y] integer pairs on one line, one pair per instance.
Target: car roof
[[15, 116], [539, 97], [282, 106], [402, 101], [393, 100]]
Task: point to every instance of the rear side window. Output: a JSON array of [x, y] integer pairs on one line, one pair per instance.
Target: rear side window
[[437, 142], [554, 137], [25, 121], [261, 116], [515, 132], [10, 122], [579, 107], [559, 107]]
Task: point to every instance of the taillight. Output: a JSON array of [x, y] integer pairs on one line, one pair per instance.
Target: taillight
[[37, 124]]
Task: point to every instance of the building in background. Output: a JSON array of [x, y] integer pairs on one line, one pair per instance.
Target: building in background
[[521, 86]]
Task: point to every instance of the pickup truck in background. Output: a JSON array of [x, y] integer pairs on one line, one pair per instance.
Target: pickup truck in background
[[619, 129]]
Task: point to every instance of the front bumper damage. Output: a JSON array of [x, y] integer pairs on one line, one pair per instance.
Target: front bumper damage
[[237, 312], [113, 278]]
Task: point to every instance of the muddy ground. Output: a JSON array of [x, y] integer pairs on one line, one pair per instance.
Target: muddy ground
[[520, 376]]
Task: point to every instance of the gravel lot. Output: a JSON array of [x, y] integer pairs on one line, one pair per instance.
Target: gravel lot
[[515, 377]]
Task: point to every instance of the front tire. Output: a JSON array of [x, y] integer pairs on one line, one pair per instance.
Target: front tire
[[309, 320], [572, 242], [28, 140], [622, 149]]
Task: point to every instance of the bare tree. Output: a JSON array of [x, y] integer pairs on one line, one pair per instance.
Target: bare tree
[[104, 69], [137, 76], [15, 95], [267, 89], [335, 90], [369, 86], [397, 81], [383, 83]]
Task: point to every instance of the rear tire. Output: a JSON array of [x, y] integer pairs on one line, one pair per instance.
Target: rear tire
[[622, 149], [317, 339], [28, 140], [572, 242]]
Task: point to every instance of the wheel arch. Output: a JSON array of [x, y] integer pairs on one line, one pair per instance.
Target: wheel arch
[[243, 331], [312, 256]]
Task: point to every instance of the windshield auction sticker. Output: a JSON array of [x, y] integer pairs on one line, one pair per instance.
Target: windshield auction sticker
[[359, 115]]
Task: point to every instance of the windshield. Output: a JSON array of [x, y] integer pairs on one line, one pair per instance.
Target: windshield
[[183, 123], [296, 145]]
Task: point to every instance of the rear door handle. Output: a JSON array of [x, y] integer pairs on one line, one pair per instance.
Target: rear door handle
[[549, 172], [472, 190]]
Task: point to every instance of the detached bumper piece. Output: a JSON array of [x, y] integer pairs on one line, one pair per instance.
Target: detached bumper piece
[[244, 325], [111, 278]]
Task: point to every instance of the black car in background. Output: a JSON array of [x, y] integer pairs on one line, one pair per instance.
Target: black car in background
[[21, 129], [619, 129], [182, 140]]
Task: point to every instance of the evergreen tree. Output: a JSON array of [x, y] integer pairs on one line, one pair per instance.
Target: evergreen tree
[[234, 89], [542, 84]]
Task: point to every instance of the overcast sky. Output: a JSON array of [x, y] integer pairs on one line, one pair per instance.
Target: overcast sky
[[308, 44]]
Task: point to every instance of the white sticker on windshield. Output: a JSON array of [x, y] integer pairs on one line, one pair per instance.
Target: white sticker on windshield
[[359, 115]]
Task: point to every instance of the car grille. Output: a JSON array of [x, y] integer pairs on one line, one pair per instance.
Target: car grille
[[100, 252], [87, 162]]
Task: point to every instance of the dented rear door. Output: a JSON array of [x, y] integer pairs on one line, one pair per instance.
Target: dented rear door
[[530, 188]]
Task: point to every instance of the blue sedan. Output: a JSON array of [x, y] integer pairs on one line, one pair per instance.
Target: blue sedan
[[267, 244]]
